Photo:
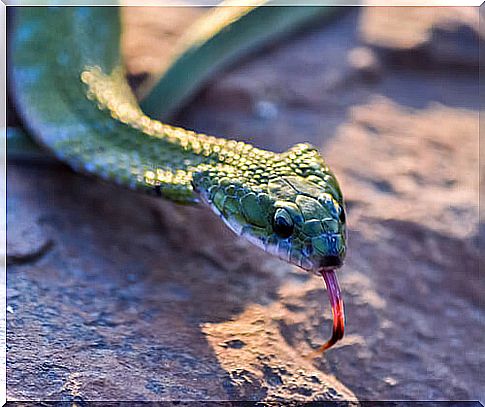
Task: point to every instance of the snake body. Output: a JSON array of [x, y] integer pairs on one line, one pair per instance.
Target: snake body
[[72, 94]]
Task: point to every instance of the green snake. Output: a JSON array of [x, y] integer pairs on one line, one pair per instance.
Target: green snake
[[71, 92]]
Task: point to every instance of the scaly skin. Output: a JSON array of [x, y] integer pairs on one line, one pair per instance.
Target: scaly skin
[[73, 96]]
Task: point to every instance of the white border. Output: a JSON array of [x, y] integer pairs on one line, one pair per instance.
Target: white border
[[3, 209], [199, 3], [163, 3]]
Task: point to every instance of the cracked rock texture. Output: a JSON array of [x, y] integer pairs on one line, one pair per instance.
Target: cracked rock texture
[[116, 295]]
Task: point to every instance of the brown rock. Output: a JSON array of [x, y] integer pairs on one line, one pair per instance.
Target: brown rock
[[423, 36], [27, 240], [365, 64]]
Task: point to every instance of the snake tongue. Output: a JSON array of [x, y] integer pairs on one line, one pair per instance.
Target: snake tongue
[[333, 289]]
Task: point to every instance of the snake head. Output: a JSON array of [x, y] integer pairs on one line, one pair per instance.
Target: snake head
[[288, 204]]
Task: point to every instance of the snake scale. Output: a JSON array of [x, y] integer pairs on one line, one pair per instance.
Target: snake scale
[[71, 92]]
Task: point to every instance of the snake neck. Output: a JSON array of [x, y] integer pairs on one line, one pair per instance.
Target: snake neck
[[221, 160]]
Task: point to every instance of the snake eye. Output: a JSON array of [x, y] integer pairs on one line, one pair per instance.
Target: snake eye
[[282, 223]]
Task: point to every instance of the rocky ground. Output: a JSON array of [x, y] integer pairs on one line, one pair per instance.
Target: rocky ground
[[115, 295]]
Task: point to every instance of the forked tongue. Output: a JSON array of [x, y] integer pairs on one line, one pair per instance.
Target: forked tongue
[[337, 304]]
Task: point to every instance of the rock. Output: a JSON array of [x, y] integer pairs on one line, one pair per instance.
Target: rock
[[145, 60], [365, 64], [27, 241], [152, 307], [424, 36]]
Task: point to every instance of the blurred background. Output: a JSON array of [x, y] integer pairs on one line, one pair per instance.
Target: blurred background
[[115, 295]]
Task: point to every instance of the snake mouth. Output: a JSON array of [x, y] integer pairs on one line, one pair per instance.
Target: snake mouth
[[337, 304], [330, 262]]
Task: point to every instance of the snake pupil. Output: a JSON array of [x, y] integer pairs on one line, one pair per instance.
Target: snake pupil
[[282, 223]]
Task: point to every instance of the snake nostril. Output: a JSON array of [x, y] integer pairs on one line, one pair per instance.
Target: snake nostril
[[331, 261]]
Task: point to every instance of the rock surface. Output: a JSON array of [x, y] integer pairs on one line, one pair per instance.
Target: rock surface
[[140, 299], [440, 36]]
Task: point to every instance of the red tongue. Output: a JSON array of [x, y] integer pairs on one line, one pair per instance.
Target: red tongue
[[337, 304]]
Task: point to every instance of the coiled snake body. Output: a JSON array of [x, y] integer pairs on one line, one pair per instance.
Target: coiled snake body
[[71, 91]]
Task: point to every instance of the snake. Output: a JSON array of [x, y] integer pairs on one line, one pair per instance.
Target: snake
[[71, 91]]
